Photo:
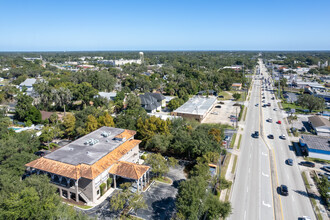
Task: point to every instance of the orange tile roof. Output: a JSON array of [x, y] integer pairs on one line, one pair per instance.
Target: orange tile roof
[[84, 170], [128, 170], [126, 134]]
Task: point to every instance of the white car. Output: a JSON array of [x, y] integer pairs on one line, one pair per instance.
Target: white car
[[275, 109], [283, 137]]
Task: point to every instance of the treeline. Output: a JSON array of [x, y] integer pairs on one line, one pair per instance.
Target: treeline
[[33, 197]]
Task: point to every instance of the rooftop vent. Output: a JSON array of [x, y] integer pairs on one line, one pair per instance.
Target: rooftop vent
[[91, 141], [105, 134]]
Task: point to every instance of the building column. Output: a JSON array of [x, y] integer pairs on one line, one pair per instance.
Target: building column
[[138, 183], [145, 179], [114, 181], [60, 192], [77, 190], [69, 194]]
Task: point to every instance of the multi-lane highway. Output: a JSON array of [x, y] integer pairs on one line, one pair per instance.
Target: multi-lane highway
[[254, 192]]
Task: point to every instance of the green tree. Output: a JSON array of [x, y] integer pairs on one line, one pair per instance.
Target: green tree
[[105, 120], [175, 103], [158, 164], [69, 122], [133, 101], [91, 124], [310, 102], [237, 96]]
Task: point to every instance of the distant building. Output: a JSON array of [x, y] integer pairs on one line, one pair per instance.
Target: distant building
[[196, 108], [28, 84], [317, 147], [81, 168], [320, 125], [236, 86], [108, 95], [152, 102]]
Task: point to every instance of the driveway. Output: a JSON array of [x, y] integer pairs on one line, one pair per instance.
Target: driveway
[[160, 198]]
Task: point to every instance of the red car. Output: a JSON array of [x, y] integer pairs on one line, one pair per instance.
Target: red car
[[279, 122]]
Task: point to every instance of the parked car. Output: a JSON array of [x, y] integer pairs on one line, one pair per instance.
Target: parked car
[[257, 105], [282, 137], [270, 136], [289, 162], [273, 98], [275, 109], [307, 164], [270, 120], [279, 122], [304, 218], [326, 168], [284, 190]]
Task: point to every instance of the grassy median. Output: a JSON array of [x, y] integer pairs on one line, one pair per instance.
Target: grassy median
[[239, 141], [234, 164]]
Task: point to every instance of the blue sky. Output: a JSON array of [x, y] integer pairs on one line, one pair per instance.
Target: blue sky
[[164, 25]]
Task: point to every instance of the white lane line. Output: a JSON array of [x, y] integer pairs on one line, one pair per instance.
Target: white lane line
[[264, 154], [247, 189], [266, 204], [266, 175], [245, 215], [292, 198], [249, 170]]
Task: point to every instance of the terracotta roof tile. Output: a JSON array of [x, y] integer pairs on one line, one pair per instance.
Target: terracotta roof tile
[[128, 170], [84, 170], [126, 134]]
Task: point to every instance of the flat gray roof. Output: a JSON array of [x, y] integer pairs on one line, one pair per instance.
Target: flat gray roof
[[316, 142], [197, 105], [79, 151]]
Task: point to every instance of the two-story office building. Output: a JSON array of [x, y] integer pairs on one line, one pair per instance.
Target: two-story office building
[[79, 168]]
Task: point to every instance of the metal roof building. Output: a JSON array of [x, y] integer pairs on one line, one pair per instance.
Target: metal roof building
[[318, 147], [196, 108]]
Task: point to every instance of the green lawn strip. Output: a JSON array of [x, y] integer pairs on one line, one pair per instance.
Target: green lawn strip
[[318, 160], [244, 114], [289, 132], [305, 180], [317, 210], [234, 164], [239, 141], [224, 167], [233, 141], [163, 180]]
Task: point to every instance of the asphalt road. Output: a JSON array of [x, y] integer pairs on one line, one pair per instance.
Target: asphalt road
[[296, 204], [252, 192]]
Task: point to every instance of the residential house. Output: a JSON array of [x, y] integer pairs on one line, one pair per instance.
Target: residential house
[[236, 86], [152, 102], [28, 84]]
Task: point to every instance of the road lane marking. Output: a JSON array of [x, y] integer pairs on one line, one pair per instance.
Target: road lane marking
[[247, 189], [245, 215], [266, 204], [249, 170], [266, 175], [264, 154]]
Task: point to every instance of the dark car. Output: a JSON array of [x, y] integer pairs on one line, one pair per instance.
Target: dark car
[[220, 96], [271, 136], [326, 168], [307, 164], [289, 162], [273, 98], [255, 134], [284, 190], [42, 153]]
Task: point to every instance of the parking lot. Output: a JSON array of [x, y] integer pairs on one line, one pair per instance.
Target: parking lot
[[221, 115], [160, 197]]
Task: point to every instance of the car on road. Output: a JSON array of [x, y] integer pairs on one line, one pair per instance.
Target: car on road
[[275, 109], [263, 101], [284, 190], [268, 104], [326, 168], [263, 97], [257, 105], [282, 137], [304, 218], [270, 136], [307, 164], [270, 120], [279, 122], [289, 162], [273, 98], [218, 106], [255, 134]]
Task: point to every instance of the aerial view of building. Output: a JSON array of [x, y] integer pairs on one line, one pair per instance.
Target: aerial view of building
[[79, 168]]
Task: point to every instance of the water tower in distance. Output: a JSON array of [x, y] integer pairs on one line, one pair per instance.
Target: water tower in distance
[[142, 57]]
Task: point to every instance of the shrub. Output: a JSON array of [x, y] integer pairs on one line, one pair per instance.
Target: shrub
[[102, 188], [53, 145], [143, 157], [109, 182]]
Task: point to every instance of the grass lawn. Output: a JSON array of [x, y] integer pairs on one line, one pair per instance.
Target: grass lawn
[[225, 95], [244, 114], [234, 165], [84, 206], [305, 180], [233, 141], [224, 167], [163, 180], [318, 160], [239, 141]]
